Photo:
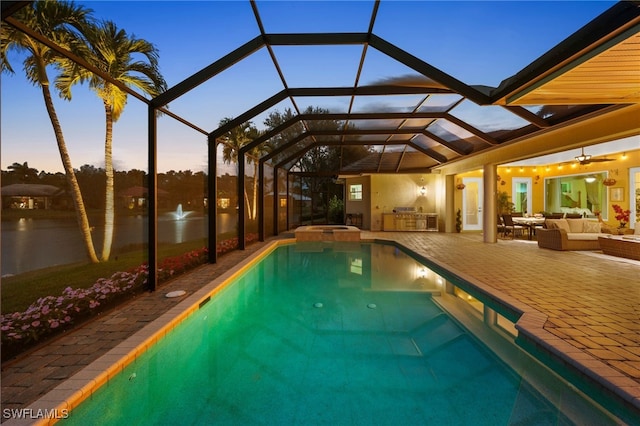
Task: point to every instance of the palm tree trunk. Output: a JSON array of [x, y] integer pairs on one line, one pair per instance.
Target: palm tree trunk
[[76, 195], [246, 200], [254, 212], [109, 208]]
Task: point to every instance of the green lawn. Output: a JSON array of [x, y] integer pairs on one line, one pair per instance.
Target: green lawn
[[20, 291]]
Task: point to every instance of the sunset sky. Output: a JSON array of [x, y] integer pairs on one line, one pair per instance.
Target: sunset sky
[[477, 42]]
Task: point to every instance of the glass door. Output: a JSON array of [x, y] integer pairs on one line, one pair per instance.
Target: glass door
[[521, 195], [472, 197]]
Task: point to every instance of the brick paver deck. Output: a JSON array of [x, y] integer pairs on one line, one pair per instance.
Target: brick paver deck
[[582, 307]]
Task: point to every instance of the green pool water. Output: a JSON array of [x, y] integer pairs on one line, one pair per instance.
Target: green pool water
[[339, 334]]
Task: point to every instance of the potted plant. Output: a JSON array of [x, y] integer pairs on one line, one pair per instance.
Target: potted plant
[[458, 220], [621, 215], [504, 206]]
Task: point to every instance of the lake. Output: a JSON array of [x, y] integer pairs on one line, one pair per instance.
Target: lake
[[29, 244]]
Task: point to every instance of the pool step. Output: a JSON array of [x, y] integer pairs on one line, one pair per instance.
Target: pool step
[[436, 333]]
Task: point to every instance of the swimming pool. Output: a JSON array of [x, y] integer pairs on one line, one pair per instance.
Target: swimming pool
[[326, 333]]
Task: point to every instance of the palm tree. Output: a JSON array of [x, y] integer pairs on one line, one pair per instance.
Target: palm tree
[[118, 55], [236, 138], [60, 22]]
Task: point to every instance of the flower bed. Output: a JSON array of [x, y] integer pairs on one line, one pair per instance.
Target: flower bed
[[50, 315]]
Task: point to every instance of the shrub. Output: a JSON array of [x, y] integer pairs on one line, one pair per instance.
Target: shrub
[[49, 315]]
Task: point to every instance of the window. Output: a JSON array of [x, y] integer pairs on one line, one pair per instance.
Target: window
[[576, 194], [355, 192], [224, 203], [355, 265]]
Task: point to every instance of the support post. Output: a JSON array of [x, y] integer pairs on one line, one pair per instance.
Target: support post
[[489, 218], [241, 206], [260, 178], [152, 205], [276, 202], [212, 197], [450, 204]]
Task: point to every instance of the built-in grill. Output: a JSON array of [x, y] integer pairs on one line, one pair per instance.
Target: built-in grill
[[409, 219], [404, 210]]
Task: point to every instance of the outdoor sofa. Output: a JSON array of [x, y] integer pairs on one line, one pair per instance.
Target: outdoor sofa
[[570, 234]]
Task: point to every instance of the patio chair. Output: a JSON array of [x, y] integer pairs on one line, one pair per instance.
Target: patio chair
[[500, 225], [509, 226], [554, 216]]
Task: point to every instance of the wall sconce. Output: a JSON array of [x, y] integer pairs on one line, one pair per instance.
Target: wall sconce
[[422, 189], [421, 272], [460, 185]]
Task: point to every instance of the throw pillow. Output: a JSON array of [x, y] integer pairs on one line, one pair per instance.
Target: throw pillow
[[575, 225], [558, 223], [591, 227]]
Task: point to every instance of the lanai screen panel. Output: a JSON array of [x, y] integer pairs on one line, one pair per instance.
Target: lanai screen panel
[[270, 198], [488, 119], [226, 197], [446, 35]]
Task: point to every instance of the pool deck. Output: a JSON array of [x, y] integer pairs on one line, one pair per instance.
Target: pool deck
[[581, 306]]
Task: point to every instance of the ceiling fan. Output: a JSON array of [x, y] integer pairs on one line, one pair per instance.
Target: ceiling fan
[[586, 158]]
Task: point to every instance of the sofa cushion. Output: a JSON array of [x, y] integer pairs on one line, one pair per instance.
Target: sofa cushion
[[583, 236], [576, 225], [558, 224], [590, 226]]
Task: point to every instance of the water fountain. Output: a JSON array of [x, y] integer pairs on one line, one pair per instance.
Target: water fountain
[[179, 214]]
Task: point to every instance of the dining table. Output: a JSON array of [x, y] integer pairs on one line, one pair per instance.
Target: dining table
[[531, 222]]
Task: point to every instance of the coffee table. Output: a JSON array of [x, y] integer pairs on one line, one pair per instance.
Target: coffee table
[[622, 246]]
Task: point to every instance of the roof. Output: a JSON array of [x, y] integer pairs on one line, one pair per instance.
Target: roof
[[31, 190]]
